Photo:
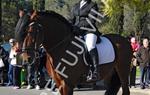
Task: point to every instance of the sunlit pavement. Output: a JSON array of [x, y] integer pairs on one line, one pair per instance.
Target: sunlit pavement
[[11, 91], [82, 91]]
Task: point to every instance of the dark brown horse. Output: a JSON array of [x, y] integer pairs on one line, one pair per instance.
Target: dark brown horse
[[66, 51]]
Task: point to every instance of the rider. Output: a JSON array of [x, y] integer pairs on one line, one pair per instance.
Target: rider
[[79, 13]]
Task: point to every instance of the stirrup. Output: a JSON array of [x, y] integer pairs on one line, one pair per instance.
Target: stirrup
[[92, 77]]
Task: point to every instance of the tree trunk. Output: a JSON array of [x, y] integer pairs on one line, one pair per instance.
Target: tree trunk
[[42, 5], [0, 17], [121, 20]]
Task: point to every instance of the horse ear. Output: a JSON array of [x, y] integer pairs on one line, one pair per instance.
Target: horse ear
[[34, 15]]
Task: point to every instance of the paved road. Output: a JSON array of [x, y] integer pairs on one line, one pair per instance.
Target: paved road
[[83, 91], [11, 91]]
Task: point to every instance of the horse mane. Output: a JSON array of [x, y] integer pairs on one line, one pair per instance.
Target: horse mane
[[56, 15]]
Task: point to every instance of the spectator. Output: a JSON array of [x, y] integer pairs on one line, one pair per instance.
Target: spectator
[[32, 70], [42, 54], [11, 64], [20, 30], [3, 63], [135, 46], [16, 67], [1, 71], [143, 57]]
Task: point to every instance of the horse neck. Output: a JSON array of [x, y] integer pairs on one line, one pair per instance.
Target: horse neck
[[59, 41], [56, 32], [60, 46]]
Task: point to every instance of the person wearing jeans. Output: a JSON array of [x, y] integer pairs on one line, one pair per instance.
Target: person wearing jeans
[[10, 75], [143, 57], [32, 70]]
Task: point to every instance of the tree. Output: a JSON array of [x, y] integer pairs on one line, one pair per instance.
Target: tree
[[0, 16], [38, 4], [0, 21], [62, 7], [9, 19], [114, 10], [125, 17], [140, 13]]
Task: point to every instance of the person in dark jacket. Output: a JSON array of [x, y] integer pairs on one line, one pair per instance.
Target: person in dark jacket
[[143, 57], [4, 59], [79, 15], [22, 23]]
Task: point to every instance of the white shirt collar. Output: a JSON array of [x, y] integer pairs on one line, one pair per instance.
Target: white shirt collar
[[82, 3]]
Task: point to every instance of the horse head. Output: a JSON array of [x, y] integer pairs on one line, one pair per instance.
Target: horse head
[[30, 45], [45, 22]]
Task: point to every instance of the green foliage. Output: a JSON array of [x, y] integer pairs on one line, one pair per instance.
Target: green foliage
[[139, 10], [8, 20], [113, 9], [128, 21], [10, 16], [123, 17], [38, 4], [62, 7], [133, 12]]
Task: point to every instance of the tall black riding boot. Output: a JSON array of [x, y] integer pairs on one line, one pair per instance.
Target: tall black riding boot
[[94, 58]]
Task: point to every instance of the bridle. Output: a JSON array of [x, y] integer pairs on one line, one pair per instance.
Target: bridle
[[35, 48], [37, 27]]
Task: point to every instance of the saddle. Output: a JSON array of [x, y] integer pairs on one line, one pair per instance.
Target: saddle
[[106, 51]]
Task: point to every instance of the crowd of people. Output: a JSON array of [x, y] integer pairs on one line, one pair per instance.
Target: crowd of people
[[19, 73], [141, 58]]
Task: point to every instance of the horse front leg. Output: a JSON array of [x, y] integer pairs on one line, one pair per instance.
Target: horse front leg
[[63, 88], [69, 90]]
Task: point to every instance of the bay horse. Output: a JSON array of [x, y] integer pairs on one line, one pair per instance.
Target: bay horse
[[66, 62]]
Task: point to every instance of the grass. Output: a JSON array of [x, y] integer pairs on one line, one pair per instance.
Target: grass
[[137, 71]]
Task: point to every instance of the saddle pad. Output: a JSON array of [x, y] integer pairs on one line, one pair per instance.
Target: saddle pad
[[106, 51]]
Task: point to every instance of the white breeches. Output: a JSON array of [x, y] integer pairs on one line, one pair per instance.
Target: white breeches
[[90, 40]]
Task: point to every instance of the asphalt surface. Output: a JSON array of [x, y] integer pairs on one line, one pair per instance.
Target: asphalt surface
[[83, 91]]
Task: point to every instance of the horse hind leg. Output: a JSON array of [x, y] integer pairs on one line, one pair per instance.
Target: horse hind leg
[[124, 81], [123, 71], [114, 84], [64, 89], [125, 87], [70, 91]]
